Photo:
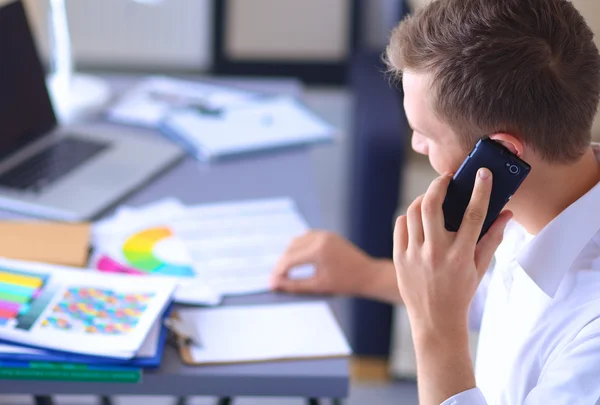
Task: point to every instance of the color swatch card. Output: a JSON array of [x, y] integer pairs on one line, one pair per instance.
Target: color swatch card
[[228, 248], [78, 311]]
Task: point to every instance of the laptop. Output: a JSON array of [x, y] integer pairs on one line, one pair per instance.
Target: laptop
[[52, 171]]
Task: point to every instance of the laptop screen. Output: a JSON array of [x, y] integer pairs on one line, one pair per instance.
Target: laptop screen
[[26, 111]]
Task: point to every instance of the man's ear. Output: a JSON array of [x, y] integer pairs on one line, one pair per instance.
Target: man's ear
[[510, 142]]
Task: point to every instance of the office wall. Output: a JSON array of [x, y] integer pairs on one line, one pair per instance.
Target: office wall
[[171, 35], [288, 30], [378, 19], [177, 34]]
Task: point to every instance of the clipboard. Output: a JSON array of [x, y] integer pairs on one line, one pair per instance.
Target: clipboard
[[203, 347], [181, 338]]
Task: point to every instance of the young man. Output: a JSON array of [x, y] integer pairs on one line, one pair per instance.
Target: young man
[[527, 74]]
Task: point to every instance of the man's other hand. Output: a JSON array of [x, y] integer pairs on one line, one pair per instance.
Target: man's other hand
[[341, 267]]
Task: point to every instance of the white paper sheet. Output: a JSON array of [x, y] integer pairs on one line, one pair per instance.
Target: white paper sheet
[[270, 123], [235, 247], [149, 347], [19, 350], [232, 247], [266, 332], [153, 98]]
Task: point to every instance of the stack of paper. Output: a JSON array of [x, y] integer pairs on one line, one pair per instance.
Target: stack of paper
[[272, 123], [148, 356], [213, 249], [212, 121], [80, 312], [148, 103]]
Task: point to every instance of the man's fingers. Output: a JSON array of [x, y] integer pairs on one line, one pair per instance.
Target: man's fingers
[[297, 254], [472, 222], [401, 234], [415, 222], [297, 286], [489, 243], [431, 207]]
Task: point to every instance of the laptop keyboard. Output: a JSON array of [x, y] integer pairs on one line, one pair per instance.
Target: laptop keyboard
[[50, 164]]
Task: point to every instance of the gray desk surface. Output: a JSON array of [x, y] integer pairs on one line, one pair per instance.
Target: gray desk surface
[[285, 173]]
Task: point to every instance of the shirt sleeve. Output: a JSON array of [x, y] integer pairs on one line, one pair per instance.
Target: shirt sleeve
[[469, 397], [572, 377]]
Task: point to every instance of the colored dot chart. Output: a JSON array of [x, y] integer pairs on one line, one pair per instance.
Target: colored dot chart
[[139, 250], [97, 311]]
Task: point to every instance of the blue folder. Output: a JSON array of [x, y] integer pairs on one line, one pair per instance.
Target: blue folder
[[56, 356]]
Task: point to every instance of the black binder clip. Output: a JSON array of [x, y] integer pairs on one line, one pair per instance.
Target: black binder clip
[[182, 333]]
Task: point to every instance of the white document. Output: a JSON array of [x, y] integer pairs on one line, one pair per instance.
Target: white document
[[150, 346], [148, 103], [266, 332], [108, 238], [231, 248], [235, 247], [269, 123], [125, 217], [61, 308], [10, 349]]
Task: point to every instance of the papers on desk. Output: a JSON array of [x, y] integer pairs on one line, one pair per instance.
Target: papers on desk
[[271, 123], [148, 103], [71, 310], [148, 356], [263, 333], [211, 121], [211, 250]]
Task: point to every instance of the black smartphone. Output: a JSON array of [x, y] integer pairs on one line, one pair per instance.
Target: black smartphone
[[508, 172]]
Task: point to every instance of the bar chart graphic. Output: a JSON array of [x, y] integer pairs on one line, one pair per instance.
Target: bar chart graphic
[[20, 292]]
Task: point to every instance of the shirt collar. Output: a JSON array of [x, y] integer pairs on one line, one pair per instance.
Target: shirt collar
[[548, 257]]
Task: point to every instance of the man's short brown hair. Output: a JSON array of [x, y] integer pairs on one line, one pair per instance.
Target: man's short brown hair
[[525, 67]]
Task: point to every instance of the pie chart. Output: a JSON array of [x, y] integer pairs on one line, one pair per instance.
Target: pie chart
[[149, 251]]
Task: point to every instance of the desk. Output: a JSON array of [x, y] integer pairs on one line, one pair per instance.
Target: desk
[[285, 173]]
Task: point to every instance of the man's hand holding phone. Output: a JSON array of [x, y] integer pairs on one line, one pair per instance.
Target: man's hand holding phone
[[438, 271]]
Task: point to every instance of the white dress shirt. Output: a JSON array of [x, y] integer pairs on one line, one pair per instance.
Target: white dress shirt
[[538, 313]]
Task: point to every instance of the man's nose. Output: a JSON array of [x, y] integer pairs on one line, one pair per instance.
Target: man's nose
[[419, 144]]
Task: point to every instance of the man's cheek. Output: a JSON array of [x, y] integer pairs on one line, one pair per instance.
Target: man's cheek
[[438, 168], [438, 164]]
